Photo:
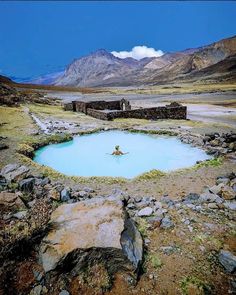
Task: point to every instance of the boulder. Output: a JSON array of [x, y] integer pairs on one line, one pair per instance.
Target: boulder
[[65, 194], [191, 198], [231, 205], [27, 185], [167, 223], [216, 188], [84, 232], [228, 260], [54, 195], [11, 201], [147, 211], [14, 172], [227, 193], [223, 180]]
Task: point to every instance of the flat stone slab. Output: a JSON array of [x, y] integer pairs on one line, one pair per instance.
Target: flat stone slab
[[97, 223]]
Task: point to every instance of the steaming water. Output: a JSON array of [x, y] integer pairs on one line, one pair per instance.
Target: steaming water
[[89, 155]]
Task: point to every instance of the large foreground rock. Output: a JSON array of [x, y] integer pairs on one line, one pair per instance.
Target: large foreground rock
[[96, 229]]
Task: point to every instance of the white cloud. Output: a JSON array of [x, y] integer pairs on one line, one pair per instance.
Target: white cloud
[[139, 52]]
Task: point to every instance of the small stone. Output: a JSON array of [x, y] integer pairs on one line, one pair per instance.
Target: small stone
[[147, 211], [168, 249], [228, 260], [20, 214], [65, 194], [212, 206], [36, 291], [32, 203], [155, 221], [158, 205], [166, 223], [64, 292], [130, 206], [84, 194], [88, 190]]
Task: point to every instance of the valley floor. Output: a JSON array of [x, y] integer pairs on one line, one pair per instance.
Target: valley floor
[[191, 266]]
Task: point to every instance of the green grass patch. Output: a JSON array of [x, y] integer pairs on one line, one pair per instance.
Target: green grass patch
[[155, 261], [143, 226], [193, 285], [152, 174], [210, 163]]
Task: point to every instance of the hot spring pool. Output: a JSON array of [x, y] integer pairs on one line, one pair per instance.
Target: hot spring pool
[[89, 155]]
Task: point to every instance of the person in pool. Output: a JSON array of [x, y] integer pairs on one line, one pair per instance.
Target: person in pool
[[118, 152]]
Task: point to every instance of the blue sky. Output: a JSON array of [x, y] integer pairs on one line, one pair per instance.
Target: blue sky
[[42, 37]]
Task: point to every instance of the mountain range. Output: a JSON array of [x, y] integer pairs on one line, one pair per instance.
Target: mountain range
[[216, 62]]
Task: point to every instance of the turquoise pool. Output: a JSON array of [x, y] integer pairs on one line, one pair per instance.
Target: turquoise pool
[[89, 155]]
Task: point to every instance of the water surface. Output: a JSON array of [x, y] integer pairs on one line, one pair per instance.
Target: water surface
[[89, 155]]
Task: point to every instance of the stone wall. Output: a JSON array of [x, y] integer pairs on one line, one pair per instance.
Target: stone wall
[[167, 112], [81, 106], [68, 106], [97, 109]]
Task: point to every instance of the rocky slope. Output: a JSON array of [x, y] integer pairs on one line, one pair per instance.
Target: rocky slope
[[101, 68]]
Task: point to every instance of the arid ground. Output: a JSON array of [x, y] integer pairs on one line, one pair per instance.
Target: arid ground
[[191, 266]]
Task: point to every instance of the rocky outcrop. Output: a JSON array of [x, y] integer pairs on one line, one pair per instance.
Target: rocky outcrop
[[91, 231]]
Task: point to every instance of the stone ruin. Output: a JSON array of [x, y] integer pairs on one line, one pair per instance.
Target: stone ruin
[[109, 110]]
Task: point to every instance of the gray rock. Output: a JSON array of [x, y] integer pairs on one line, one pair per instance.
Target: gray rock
[[64, 292], [101, 230], [212, 206], [36, 290], [138, 199], [168, 250], [223, 180], [38, 275], [166, 223], [84, 194], [20, 214], [216, 188], [27, 185], [131, 206], [147, 211], [132, 243], [158, 205], [142, 204], [207, 197], [231, 205], [228, 260], [14, 172], [88, 190], [65, 194], [155, 221], [31, 203], [191, 198], [42, 181]]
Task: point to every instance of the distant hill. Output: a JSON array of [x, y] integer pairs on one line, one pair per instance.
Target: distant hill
[[101, 68]]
